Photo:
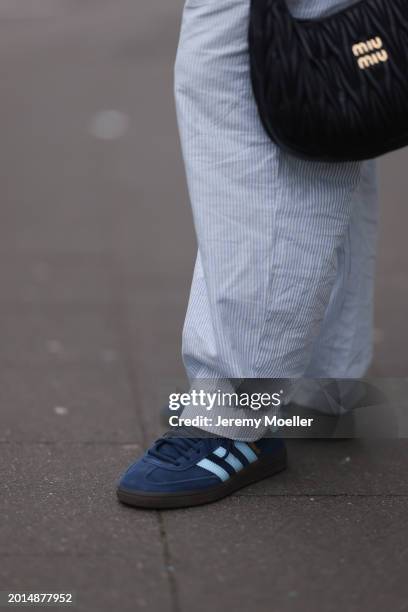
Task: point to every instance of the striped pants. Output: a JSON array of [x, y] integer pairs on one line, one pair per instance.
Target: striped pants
[[283, 281]]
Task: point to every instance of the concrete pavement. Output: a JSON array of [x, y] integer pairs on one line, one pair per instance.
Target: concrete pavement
[[97, 248]]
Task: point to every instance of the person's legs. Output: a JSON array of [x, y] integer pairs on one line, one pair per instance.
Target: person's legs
[[270, 227], [271, 230]]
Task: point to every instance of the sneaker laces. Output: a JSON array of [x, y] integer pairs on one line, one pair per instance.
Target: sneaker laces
[[171, 447]]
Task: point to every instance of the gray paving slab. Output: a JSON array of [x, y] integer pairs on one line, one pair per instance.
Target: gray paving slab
[[60, 229], [70, 196], [286, 554], [57, 278], [391, 291], [391, 356], [63, 529], [155, 323], [40, 335], [329, 534], [68, 404], [60, 498], [151, 402], [349, 467], [100, 583]]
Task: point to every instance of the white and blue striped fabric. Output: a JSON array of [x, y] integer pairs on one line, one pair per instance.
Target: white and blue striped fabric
[[283, 282]]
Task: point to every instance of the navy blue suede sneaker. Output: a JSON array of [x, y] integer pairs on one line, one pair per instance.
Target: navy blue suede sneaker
[[179, 471]]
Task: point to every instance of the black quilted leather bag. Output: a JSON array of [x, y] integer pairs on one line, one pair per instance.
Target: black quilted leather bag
[[334, 88]]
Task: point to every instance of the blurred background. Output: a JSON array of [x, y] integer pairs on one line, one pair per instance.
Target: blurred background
[[97, 250]]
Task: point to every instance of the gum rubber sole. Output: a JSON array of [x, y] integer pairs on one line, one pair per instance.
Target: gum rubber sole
[[160, 501]]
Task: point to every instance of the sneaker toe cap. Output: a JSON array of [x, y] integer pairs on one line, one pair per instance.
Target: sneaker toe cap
[[144, 477]]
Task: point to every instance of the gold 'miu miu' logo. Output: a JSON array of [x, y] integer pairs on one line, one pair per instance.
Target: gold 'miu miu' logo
[[370, 53]]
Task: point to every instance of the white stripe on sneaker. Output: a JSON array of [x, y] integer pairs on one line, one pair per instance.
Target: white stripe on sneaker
[[233, 461], [246, 451], [214, 468]]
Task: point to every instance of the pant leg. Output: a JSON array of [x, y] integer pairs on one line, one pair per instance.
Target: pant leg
[[344, 347], [345, 343], [269, 226]]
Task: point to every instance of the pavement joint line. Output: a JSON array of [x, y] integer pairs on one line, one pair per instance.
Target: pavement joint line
[[168, 565], [292, 496], [124, 332]]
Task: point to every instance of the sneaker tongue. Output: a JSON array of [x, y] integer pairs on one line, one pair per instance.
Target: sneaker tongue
[[168, 449]]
